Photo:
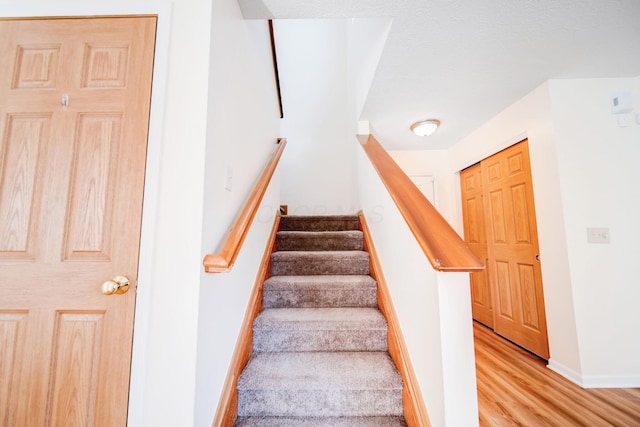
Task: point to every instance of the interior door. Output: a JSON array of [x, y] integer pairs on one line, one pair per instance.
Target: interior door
[[475, 237], [74, 111], [426, 185], [513, 254]]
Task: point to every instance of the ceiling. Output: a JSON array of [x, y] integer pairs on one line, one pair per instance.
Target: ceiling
[[463, 62]]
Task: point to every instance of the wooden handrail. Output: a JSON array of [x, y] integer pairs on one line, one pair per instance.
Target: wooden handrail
[[444, 248], [230, 248]]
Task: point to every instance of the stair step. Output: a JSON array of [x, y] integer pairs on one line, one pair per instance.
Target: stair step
[[347, 240], [305, 263], [320, 329], [314, 384], [320, 343], [318, 223], [320, 291], [321, 422]]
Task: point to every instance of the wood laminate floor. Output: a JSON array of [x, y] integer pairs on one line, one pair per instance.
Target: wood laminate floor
[[515, 388]]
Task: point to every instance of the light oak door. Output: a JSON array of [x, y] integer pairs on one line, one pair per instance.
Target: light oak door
[[475, 237], [74, 112], [513, 254]]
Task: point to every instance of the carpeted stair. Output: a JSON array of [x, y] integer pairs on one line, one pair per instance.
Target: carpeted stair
[[320, 344]]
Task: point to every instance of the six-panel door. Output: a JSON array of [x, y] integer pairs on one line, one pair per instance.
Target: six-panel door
[[74, 111]]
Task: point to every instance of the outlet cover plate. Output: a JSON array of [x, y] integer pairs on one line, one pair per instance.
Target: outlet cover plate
[[598, 235]]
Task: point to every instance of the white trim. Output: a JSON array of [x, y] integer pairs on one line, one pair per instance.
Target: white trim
[[595, 381], [490, 151], [161, 8], [611, 381], [137, 388], [567, 373], [34, 8], [432, 179]]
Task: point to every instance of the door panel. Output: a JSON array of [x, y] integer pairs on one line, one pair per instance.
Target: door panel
[[505, 295], [75, 359], [528, 298], [91, 202], [520, 219], [74, 110], [475, 237], [513, 248], [498, 225], [21, 161]]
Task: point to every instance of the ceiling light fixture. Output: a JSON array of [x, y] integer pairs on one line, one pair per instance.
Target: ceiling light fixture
[[425, 127]]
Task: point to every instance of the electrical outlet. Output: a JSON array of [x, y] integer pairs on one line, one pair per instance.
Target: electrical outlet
[[598, 235], [624, 120]]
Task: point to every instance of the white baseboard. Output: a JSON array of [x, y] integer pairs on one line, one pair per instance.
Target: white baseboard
[[611, 381], [595, 381], [568, 373]]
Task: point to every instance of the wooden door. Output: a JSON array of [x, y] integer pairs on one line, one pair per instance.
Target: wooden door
[[74, 111], [426, 185], [513, 254], [475, 237]]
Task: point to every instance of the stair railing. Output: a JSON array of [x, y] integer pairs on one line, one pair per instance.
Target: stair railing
[[223, 260], [443, 247]]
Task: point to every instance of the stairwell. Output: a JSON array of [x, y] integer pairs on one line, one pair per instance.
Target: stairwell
[[320, 344]]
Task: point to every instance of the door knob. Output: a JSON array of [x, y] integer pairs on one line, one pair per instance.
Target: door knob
[[117, 285]]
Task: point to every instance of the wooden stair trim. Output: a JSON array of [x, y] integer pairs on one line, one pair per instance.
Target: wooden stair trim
[[227, 410], [223, 260], [415, 411], [443, 247]]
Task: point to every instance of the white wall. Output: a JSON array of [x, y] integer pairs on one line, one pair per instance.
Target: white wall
[[599, 176], [242, 132], [366, 38], [223, 302], [172, 321], [584, 175], [434, 309], [318, 168]]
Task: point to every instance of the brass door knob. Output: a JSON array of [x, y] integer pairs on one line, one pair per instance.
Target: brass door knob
[[117, 285]]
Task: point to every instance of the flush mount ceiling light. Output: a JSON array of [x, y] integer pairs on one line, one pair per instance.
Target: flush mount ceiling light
[[425, 127]]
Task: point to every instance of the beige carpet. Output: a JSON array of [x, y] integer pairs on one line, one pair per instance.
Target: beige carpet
[[320, 350]]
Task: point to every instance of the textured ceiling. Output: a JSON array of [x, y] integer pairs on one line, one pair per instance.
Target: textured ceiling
[[463, 62]]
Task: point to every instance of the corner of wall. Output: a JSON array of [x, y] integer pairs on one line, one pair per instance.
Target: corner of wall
[[595, 163]]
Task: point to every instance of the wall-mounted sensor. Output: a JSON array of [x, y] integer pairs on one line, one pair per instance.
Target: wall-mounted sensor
[[621, 102]]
